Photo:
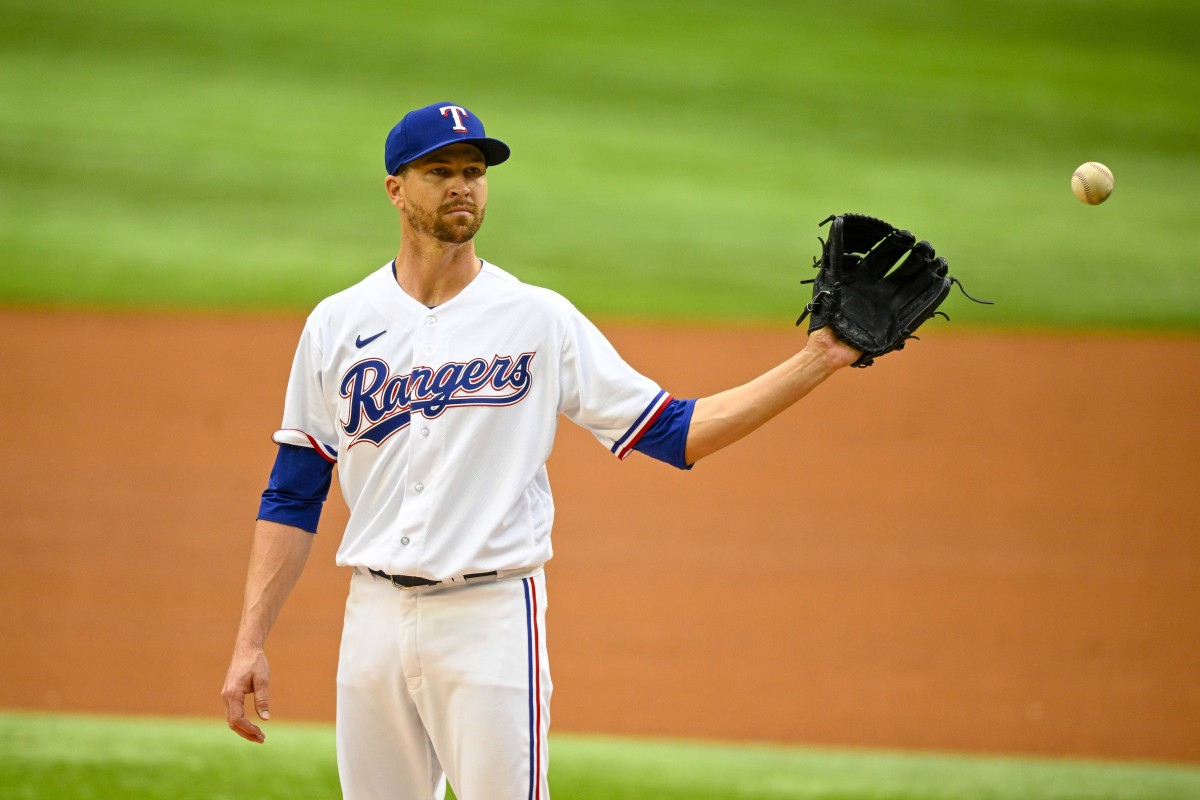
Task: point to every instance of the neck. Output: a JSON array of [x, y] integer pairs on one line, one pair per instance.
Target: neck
[[434, 272]]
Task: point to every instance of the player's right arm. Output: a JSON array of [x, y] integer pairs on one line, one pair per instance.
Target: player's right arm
[[277, 558], [288, 516]]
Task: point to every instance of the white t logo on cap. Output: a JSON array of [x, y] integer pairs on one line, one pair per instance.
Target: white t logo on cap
[[458, 112]]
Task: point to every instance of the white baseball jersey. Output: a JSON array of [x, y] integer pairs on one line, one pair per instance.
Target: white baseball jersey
[[441, 420]]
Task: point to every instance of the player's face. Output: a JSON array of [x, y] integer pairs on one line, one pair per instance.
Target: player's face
[[444, 194]]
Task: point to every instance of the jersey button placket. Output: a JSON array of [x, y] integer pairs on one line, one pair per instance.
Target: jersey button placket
[[430, 321], [418, 497]]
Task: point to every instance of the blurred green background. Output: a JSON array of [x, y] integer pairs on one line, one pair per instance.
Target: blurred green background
[[50, 757], [671, 159]]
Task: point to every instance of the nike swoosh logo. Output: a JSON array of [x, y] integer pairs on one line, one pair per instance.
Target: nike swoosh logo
[[360, 342]]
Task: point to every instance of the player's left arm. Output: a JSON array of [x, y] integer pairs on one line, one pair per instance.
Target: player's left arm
[[723, 418]]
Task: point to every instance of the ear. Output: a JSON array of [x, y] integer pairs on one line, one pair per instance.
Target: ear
[[395, 189]]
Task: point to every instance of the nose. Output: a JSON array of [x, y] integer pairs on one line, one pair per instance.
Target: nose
[[460, 187]]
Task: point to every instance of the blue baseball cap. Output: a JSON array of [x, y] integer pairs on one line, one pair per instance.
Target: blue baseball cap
[[433, 127]]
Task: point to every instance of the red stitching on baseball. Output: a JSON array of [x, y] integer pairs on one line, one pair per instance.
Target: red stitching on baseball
[[1087, 189]]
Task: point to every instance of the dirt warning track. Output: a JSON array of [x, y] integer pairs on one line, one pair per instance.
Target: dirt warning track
[[982, 543]]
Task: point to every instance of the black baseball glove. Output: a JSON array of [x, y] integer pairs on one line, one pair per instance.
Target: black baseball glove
[[870, 298]]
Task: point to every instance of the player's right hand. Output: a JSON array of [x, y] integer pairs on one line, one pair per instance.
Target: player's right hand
[[248, 674]]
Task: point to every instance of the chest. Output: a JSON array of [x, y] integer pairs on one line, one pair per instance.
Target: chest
[[391, 375]]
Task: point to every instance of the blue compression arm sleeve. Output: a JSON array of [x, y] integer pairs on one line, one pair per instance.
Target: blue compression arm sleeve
[[297, 489], [666, 439]]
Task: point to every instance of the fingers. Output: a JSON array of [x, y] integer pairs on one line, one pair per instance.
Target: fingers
[[248, 730], [260, 701], [238, 684], [235, 715]]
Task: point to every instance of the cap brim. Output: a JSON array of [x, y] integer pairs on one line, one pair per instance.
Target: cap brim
[[494, 151]]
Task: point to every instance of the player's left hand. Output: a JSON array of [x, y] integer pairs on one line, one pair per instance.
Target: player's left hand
[[875, 285], [836, 353]]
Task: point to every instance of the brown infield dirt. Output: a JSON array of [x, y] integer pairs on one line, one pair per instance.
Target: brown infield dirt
[[985, 543]]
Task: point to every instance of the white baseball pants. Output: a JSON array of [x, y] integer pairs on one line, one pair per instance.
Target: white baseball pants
[[444, 683]]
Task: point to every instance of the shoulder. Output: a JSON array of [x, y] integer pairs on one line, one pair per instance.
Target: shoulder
[[342, 314], [350, 302], [532, 299]]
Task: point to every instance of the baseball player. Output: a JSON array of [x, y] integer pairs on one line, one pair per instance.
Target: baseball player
[[435, 385]]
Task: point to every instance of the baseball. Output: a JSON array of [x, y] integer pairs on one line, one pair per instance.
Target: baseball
[[1092, 183]]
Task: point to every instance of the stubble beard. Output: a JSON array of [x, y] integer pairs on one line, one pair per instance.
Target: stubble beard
[[451, 231]]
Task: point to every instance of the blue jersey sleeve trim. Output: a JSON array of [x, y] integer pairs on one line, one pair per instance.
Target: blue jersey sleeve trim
[[666, 438], [628, 442], [297, 489]]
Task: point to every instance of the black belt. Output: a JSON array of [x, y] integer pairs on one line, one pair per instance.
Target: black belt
[[412, 581]]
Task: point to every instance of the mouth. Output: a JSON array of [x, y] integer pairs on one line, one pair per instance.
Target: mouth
[[460, 211]]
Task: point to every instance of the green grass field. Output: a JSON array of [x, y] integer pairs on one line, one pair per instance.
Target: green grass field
[[50, 757], [672, 159]]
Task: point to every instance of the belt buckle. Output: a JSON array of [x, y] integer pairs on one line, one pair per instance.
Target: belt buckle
[[408, 587], [394, 580]]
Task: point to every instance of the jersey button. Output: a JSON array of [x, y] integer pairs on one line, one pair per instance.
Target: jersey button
[[420, 487], [431, 320], [424, 431], [404, 540]]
